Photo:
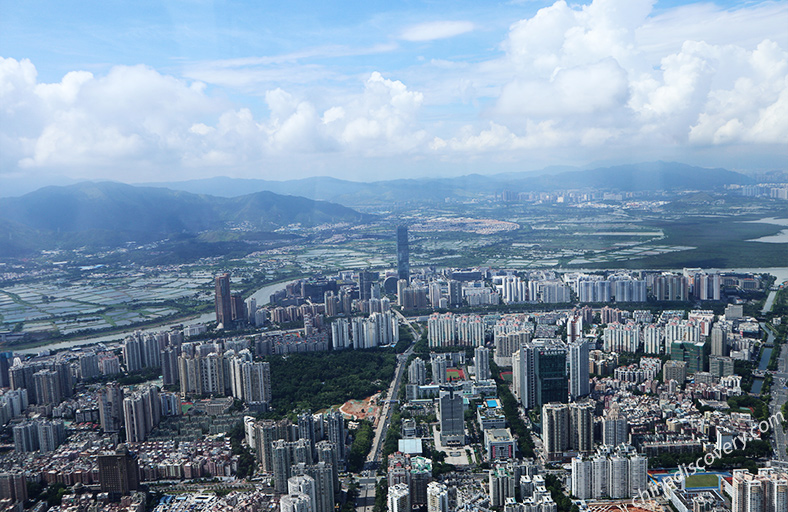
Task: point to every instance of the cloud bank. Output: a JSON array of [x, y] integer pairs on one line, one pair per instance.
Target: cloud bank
[[602, 80]]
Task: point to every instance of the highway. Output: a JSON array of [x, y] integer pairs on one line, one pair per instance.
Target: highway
[[373, 459], [366, 491], [779, 397]]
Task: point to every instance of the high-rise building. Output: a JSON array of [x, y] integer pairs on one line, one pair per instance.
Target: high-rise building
[[403, 254], [399, 498], [539, 374], [719, 341], [555, 430], [437, 497], [455, 293], [615, 430], [694, 353], [13, 487], [250, 381], [6, 361], [323, 477], [295, 503], [417, 372], [675, 370], [306, 429], [169, 366], [581, 426], [119, 473], [438, 363], [336, 434], [88, 366], [51, 434], [582, 479], [327, 453], [765, 492], [617, 475], [25, 437], [481, 363], [451, 415], [502, 484], [132, 353], [141, 413], [303, 484], [365, 281], [47, 385], [420, 476], [223, 301], [579, 383]]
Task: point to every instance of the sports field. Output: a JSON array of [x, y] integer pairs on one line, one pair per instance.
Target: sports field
[[455, 374], [702, 480]]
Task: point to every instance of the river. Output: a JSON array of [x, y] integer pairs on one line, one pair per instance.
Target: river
[[766, 354], [262, 296]]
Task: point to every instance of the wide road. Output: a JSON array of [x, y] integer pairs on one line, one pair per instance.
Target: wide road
[[779, 397], [366, 491], [375, 453]]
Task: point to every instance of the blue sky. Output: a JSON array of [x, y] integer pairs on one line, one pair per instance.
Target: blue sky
[[148, 91]]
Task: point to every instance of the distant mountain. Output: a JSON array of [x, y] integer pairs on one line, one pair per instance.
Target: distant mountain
[[653, 176], [118, 208]]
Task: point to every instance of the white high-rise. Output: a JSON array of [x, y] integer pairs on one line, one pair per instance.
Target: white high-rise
[[295, 503], [399, 498], [437, 497], [303, 484], [579, 382], [582, 481]]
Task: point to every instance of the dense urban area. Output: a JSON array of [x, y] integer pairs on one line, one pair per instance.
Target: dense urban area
[[498, 355]]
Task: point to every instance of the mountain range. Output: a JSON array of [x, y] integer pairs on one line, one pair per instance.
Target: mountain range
[[644, 177], [108, 212]]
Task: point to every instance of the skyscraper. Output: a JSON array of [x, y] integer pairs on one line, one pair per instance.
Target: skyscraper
[[224, 307], [141, 413], [614, 427], [336, 434], [403, 254], [365, 281], [417, 372], [555, 430], [481, 362], [118, 473], [578, 369], [581, 426], [303, 484], [399, 498], [539, 373], [451, 415], [295, 503], [437, 497], [13, 487]]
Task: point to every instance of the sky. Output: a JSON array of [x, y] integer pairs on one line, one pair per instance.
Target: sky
[[369, 90]]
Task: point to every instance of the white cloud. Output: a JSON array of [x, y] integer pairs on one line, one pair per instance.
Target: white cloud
[[436, 30], [136, 118], [601, 75], [569, 82]]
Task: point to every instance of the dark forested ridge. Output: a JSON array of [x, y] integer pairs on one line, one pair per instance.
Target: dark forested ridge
[[126, 208], [110, 214]]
